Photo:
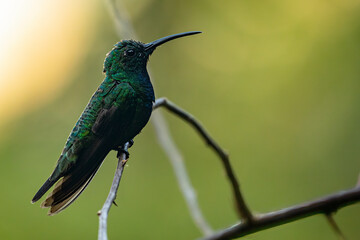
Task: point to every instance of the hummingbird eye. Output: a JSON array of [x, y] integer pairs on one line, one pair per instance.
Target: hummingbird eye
[[129, 52]]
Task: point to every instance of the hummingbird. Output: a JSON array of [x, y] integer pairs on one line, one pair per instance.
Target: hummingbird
[[115, 114]]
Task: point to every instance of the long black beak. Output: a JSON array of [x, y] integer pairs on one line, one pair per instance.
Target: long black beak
[[150, 47]]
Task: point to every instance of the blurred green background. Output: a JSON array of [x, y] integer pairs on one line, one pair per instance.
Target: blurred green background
[[275, 82]]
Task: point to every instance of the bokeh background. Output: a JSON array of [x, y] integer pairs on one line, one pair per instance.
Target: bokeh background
[[275, 82]]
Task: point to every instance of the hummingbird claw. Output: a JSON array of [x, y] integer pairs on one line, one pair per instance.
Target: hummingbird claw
[[121, 150], [114, 203]]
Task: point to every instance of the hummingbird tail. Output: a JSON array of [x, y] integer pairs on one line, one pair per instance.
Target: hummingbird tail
[[67, 190], [69, 185], [44, 188]]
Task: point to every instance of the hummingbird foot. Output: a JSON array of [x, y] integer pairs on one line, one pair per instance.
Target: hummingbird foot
[[121, 150]]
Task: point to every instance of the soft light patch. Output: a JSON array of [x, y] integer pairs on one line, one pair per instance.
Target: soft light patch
[[41, 44]]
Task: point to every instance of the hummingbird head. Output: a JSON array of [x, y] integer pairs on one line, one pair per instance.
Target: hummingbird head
[[132, 56]]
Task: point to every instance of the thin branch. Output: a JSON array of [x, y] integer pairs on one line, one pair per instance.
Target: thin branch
[[242, 208], [323, 205], [176, 159], [335, 226], [103, 213], [123, 25], [125, 29]]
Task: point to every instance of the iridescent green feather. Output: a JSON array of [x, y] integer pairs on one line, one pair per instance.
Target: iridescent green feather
[[104, 97]]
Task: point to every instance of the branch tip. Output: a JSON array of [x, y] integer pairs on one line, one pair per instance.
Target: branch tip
[[335, 226]]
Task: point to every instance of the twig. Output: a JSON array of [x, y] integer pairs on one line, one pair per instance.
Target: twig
[[123, 25], [323, 205], [103, 213], [126, 30], [242, 208], [167, 143], [335, 226]]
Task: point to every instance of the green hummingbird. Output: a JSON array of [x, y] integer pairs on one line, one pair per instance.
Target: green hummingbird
[[115, 114]]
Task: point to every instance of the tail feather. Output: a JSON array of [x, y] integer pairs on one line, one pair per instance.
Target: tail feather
[[75, 180], [60, 198], [44, 188], [68, 188]]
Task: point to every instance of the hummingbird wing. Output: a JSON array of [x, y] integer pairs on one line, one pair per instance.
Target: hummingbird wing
[[78, 135], [111, 108]]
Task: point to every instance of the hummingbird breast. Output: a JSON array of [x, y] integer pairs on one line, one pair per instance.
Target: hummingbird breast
[[135, 120], [128, 113]]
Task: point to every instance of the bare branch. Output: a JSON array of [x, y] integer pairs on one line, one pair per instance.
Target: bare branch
[[126, 30], [176, 159], [103, 213], [335, 226], [242, 208], [322, 205], [123, 25]]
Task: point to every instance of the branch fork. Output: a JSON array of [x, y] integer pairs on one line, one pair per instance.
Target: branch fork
[[249, 223]]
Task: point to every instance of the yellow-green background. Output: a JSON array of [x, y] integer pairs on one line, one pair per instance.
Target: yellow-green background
[[277, 83]]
